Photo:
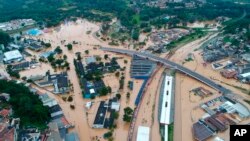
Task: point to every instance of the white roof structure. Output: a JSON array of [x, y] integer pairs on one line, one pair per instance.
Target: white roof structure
[[166, 133], [91, 59], [242, 110], [218, 139], [12, 55], [88, 105], [228, 106], [166, 117], [244, 75], [92, 91], [47, 101], [143, 133], [115, 106], [237, 107]]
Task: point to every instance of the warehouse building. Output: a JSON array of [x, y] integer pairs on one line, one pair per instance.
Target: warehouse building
[[12, 56], [143, 133]]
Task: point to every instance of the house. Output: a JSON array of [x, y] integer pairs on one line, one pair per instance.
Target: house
[[47, 101], [61, 84], [13, 46], [5, 113], [4, 96], [58, 131], [236, 107], [73, 136], [94, 67], [59, 81], [228, 73], [30, 135], [35, 46], [7, 134], [90, 60], [110, 107], [141, 68], [54, 134], [100, 116], [246, 57], [12, 56], [45, 55], [79, 68], [143, 133], [56, 112], [91, 88], [201, 132]]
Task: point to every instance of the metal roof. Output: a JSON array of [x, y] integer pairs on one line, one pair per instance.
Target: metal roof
[[10, 55], [143, 133]]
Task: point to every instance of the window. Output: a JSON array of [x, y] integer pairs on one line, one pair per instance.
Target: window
[[167, 92], [168, 82], [166, 104]]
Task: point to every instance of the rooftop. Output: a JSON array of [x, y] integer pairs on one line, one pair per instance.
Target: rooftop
[[166, 107], [100, 115], [201, 132], [141, 67], [143, 133], [73, 136], [91, 59], [10, 55]]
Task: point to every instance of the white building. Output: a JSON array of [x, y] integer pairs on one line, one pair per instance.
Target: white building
[[166, 116], [47, 101], [12, 56], [238, 108], [143, 133], [246, 57]]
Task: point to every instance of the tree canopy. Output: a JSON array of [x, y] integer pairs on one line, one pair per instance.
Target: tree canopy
[[26, 105], [4, 38]]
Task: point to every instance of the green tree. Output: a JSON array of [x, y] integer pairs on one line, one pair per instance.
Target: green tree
[[128, 95], [70, 99], [128, 114], [125, 61], [86, 51], [116, 115], [65, 57], [58, 50], [47, 45], [104, 91], [51, 58], [135, 34], [26, 105], [69, 46], [109, 89], [4, 38], [118, 96], [106, 56], [117, 74]]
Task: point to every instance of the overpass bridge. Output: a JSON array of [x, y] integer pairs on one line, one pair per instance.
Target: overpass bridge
[[171, 64]]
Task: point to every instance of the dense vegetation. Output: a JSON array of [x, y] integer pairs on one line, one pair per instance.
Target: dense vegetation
[[131, 14], [25, 104], [4, 38]]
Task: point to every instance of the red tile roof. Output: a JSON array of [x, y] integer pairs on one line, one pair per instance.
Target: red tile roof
[[7, 135], [4, 112]]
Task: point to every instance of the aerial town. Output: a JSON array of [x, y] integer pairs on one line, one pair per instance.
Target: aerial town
[[86, 80]]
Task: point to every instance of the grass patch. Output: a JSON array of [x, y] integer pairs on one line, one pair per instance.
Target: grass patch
[[186, 39], [171, 132], [136, 19], [247, 101], [243, 90]]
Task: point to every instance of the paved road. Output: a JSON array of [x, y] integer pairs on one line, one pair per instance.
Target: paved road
[[172, 65]]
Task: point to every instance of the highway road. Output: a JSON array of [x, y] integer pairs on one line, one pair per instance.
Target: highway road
[[171, 64]]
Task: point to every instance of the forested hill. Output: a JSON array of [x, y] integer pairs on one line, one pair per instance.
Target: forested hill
[[131, 13], [54, 11]]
